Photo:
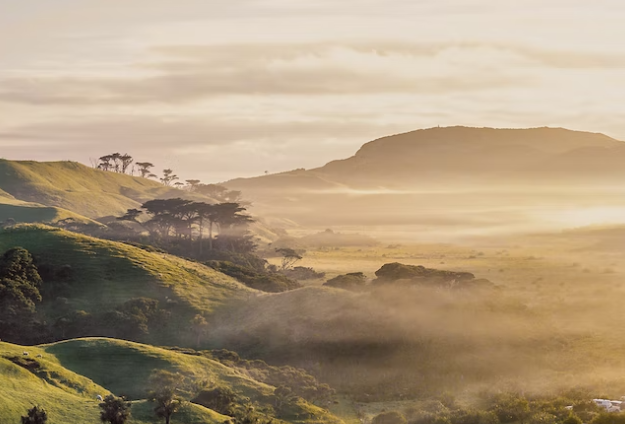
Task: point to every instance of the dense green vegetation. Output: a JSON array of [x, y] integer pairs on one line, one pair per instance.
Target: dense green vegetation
[[97, 287]]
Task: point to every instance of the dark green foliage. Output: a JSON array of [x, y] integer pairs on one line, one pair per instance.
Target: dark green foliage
[[115, 410], [36, 415], [19, 292], [18, 264], [220, 399], [249, 414], [608, 418], [572, 419], [298, 381], [132, 320], [283, 397], [165, 388], [263, 281], [351, 281], [510, 408], [390, 417]]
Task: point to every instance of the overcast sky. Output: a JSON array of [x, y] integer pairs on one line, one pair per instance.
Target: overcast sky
[[219, 89]]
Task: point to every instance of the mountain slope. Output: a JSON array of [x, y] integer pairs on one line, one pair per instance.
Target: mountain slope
[[446, 181], [434, 155]]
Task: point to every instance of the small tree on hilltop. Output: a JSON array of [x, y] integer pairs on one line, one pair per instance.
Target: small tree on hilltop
[[165, 393], [289, 257], [115, 410], [145, 168], [36, 415], [168, 177], [199, 326]]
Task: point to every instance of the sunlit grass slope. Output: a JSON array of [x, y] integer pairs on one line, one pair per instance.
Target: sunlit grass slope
[[69, 398], [107, 274], [77, 188]]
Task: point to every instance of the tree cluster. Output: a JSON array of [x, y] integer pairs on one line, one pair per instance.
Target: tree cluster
[[20, 283], [181, 219]]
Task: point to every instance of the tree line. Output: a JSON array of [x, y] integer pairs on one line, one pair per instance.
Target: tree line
[[186, 220]]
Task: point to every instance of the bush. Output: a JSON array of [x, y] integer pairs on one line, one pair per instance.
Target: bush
[[390, 417], [351, 281]]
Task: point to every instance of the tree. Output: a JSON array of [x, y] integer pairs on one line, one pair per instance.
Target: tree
[[283, 396], [199, 325], [36, 415], [168, 177], [126, 160], [289, 257], [165, 393], [131, 215], [19, 291], [115, 410], [192, 184], [145, 169]]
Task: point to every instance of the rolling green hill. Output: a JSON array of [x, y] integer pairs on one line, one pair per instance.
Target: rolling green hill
[[69, 375], [106, 274]]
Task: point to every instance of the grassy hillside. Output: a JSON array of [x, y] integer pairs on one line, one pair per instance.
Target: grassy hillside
[[106, 274], [70, 374], [78, 188], [69, 398]]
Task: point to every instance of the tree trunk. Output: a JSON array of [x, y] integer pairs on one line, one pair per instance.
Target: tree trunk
[[167, 418], [201, 230], [210, 235]]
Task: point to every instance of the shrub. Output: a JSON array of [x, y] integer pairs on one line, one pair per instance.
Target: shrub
[[390, 417]]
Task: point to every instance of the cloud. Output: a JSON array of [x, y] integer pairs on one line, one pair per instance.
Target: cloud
[[193, 73]]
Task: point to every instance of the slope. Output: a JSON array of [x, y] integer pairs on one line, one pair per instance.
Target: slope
[[125, 367], [69, 398], [434, 155], [105, 274], [78, 188]]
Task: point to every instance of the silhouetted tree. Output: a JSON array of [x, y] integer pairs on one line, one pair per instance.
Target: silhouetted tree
[[131, 215], [115, 410], [126, 160], [289, 257], [168, 177], [144, 169]]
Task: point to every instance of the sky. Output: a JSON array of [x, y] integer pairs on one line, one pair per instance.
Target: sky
[[223, 89]]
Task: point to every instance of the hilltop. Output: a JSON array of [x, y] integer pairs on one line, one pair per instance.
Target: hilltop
[[66, 377]]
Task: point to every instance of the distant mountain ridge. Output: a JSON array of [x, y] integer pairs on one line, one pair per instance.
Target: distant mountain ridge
[[440, 177], [434, 155]]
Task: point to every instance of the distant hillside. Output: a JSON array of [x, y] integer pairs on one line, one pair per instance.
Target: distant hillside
[[69, 375], [408, 179], [432, 156], [77, 188]]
